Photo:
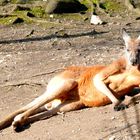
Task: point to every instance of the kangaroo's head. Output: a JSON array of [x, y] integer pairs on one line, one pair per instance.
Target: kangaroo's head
[[132, 49]]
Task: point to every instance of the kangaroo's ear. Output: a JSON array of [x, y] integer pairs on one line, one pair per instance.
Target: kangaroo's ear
[[138, 38], [126, 37]]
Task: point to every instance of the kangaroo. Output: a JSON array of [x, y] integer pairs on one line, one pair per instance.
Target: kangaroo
[[78, 87]]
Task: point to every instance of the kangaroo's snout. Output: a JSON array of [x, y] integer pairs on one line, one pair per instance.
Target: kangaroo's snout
[[134, 62]]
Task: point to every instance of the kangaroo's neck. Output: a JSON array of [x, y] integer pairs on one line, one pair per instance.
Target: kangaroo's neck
[[126, 65]]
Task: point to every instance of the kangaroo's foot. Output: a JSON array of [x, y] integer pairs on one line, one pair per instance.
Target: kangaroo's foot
[[19, 123]]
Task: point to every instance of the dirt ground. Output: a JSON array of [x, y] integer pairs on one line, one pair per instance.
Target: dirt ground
[[27, 60]]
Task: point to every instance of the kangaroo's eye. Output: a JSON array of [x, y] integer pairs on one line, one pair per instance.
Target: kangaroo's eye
[[128, 50]]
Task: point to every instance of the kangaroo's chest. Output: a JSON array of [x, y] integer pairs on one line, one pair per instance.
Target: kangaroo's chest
[[123, 82]]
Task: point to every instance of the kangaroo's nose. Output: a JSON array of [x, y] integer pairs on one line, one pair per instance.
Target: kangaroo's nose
[[134, 62]]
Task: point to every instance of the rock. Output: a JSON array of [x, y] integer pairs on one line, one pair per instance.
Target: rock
[[51, 16], [64, 6], [95, 20], [113, 118]]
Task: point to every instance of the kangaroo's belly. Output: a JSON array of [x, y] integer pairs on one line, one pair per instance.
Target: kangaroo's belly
[[92, 97]]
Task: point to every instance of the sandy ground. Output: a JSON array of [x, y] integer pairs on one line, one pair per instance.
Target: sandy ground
[[26, 60]]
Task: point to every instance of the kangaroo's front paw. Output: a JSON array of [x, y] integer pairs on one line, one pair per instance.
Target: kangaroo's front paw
[[18, 123], [120, 107]]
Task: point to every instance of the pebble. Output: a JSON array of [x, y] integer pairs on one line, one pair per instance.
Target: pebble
[[113, 118], [95, 20], [112, 138], [51, 16]]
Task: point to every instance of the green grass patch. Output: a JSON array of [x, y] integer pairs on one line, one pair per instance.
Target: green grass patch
[[111, 5], [7, 20], [23, 15], [38, 11]]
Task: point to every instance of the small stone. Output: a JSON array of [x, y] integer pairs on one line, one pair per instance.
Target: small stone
[[95, 20], [113, 118], [112, 138], [51, 16]]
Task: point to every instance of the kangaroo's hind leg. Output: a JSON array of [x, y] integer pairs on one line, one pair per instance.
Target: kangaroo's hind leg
[[7, 121], [67, 106], [57, 87]]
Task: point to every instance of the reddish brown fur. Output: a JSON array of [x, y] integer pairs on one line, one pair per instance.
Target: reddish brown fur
[[119, 83], [85, 90]]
